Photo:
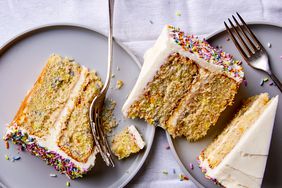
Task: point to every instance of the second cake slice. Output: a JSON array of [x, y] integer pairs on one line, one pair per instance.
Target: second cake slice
[[184, 85]]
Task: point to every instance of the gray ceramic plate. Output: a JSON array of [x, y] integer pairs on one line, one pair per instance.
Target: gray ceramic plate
[[21, 61], [186, 153]]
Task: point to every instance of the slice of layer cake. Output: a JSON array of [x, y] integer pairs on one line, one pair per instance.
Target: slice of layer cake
[[127, 142], [52, 122], [237, 157], [184, 85]]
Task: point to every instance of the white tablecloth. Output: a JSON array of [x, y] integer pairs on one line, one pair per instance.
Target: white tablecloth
[[137, 23]]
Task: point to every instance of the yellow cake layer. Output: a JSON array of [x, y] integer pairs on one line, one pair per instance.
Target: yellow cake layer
[[162, 95], [243, 120], [75, 137], [43, 104], [184, 98], [200, 109]]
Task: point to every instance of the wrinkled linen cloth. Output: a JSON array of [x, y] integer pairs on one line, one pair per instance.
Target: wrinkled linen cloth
[[137, 24]]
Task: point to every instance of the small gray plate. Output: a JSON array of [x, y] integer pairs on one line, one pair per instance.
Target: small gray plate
[[186, 153], [21, 61]]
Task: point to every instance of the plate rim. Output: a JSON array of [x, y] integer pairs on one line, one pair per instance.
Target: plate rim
[[33, 30], [170, 139]]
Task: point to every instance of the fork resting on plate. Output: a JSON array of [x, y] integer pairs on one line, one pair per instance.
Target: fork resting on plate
[[96, 107], [250, 48]]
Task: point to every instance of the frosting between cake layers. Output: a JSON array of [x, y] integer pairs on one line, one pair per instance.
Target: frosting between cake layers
[[137, 137], [244, 166], [171, 41], [50, 142]]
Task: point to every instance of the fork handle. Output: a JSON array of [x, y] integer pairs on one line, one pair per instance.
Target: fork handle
[[276, 81]]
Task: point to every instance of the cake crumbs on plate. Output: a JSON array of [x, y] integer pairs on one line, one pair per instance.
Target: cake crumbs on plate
[[68, 184], [151, 22], [53, 175], [108, 120], [118, 69], [167, 147], [227, 39], [173, 171], [113, 75], [119, 84], [269, 45]]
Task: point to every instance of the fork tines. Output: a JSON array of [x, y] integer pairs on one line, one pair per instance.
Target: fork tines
[[246, 49]]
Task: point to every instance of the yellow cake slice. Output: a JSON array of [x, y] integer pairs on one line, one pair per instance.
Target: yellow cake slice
[[52, 121], [237, 157], [184, 85], [127, 142]]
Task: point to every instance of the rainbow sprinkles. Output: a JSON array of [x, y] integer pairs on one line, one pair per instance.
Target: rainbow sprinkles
[[203, 50]]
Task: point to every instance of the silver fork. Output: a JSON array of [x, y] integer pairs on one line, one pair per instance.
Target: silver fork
[[252, 51], [96, 107]]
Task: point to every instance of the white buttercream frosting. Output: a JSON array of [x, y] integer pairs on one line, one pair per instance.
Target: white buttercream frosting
[[137, 137], [50, 141], [244, 166], [166, 45]]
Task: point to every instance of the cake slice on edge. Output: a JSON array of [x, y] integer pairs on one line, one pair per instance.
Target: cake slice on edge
[[184, 85], [52, 122], [127, 142], [237, 157]]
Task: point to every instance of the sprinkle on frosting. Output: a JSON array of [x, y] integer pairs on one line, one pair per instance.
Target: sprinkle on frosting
[[52, 158], [204, 51]]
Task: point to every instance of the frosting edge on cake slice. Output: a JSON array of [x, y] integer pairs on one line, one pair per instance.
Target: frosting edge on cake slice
[[245, 164], [172, 40], [47, 147]]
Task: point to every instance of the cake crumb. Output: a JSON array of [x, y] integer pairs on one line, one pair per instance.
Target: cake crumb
[[173, 171], [119, 84], [151, 22], [108, 120], [167, 147], [113, 75], [68, 184], [118, 69], [227, 39], [269, 45]]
